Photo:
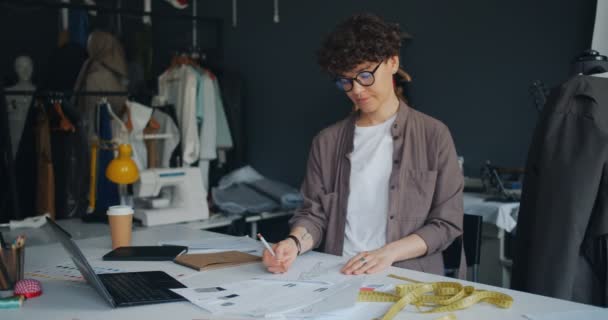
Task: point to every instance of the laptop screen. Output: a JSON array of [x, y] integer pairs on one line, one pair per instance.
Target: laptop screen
[[79, 260]]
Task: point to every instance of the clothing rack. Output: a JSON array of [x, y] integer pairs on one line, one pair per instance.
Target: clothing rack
[[65, 93], [119, 10], [112, 10]]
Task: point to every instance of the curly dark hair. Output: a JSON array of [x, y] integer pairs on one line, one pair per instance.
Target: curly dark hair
[[360, 38]]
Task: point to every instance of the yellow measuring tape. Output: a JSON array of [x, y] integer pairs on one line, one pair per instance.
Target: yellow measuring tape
[[435, 296]]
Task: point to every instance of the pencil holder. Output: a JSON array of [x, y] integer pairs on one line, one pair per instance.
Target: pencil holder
[[11, 266]]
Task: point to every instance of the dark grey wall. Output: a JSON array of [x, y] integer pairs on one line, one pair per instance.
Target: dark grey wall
[[472, 62]]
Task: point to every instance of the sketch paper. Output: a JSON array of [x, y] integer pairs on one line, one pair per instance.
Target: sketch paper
[[313, 269], [259, 298]]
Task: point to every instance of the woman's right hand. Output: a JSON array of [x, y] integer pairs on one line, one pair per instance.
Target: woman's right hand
[[286, 253]]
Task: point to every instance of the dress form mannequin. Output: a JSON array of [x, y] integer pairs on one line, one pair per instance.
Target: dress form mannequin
[[18, 105]]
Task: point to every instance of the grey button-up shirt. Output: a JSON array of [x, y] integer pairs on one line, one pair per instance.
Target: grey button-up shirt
[[425, 191]]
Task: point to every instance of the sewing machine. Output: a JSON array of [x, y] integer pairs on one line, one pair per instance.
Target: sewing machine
[[504, 183], [182, 196]]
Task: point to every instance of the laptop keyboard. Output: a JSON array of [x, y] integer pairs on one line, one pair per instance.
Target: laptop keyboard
[[133, 288]]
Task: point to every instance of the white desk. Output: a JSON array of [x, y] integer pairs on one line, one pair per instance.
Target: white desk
[[81, 230], [69, 301], [498, 217], [501, 214]]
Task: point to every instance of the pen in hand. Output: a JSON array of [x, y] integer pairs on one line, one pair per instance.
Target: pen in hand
[[266, 245]]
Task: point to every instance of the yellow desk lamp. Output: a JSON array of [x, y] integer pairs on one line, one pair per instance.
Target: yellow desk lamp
[[122, 170]]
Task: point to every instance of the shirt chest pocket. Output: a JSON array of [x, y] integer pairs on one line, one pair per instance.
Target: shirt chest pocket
[[417, 193]]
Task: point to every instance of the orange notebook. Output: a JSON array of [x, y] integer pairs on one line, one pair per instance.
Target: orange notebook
[[210, 261]]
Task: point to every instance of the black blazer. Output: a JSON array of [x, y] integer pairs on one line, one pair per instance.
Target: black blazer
[[561, 245]]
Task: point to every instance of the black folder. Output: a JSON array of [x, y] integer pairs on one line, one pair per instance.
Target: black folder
[[145, 253]]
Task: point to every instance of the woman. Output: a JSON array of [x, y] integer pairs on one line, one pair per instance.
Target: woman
[[383, 185]]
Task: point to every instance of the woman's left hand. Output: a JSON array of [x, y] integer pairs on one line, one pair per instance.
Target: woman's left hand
[[369, 262]]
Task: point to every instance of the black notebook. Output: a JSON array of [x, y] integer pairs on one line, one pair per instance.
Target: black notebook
[[145, 253]]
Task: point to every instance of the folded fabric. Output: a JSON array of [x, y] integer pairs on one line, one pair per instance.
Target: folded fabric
[[286, 195], [240, 199], [241, 175], [246, 191]]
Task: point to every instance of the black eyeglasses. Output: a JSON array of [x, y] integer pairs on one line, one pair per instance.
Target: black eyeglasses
[[364, 78]]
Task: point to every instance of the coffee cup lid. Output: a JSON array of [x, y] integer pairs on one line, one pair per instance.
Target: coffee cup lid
[[120, 210]]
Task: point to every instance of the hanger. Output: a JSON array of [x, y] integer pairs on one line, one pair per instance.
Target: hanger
[[64, 123], [174, 61], [184, 59], [123, 133], [179, 59], [152, 123]]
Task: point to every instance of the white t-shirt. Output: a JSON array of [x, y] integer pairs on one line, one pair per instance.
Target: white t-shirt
[[371, 163]]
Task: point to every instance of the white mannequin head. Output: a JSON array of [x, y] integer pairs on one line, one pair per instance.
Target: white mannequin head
[[24, 67]]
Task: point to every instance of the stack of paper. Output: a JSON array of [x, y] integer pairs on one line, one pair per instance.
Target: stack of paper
[[312, 288], [263, 298]]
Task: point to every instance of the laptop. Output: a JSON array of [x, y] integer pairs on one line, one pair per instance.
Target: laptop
[[120, 289]]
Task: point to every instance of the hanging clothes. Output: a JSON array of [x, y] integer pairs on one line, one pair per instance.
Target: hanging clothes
[[106, 190], [105, 70], [207, 110], [205, 131], [224, 137], [26, 167], [179, 86], [231, 92], [562, 231], [45, 186], [70, 156], [214, 132], [78, 27], [167, 149], [138, 118]]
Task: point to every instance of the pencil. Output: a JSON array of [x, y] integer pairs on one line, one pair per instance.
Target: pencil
[[21, 256], [13, 264], [266, 245], [3, 284], [21, 262], [3, 271]]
